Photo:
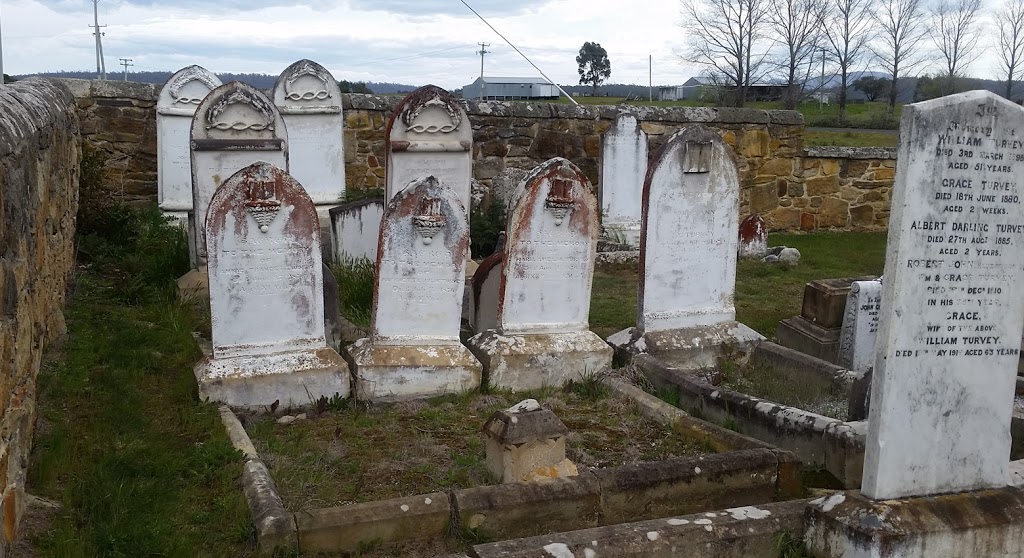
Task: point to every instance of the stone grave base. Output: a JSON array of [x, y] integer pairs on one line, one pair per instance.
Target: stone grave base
[[397, 372], [194, 284], [293, 379], [624, 233], [986, 523], [531, 361], [689, 348], [800, 334]]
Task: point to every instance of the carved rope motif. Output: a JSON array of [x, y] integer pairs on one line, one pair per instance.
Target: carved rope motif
[[410, 115], [306, 68], [186, 76], [245, 97]]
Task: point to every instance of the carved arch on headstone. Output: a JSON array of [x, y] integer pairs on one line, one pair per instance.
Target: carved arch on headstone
[[307, 68], [187, 75], [421, 101], [241, 94]]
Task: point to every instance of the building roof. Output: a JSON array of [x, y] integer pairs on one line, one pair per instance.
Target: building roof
[[494, 79]]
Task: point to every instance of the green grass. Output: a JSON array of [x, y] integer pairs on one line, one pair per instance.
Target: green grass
[[765, 294], [850, 139], [769, 383], [355, 290], [140, 467]]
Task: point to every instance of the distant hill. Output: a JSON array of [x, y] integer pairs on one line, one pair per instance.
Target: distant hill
[[259, 81]]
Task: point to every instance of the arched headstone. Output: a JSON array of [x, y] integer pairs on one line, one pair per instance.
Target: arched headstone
[[414, 349], [686, 312], [430, 135], [623, 167], [543, 333], [235, 126], [179, 98], [310, 103], [266, 295]]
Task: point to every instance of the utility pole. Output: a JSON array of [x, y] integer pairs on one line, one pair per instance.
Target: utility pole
[[126, 62], [2, 80], [101, 65], [650, 77], [483, 50]]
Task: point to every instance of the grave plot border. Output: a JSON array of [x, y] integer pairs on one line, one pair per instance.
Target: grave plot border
[[747, 472], [835, 444]]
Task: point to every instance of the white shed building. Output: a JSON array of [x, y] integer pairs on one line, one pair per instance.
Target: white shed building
[[507, 88]]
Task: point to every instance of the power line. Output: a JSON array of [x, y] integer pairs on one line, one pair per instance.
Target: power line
[[519, 51]]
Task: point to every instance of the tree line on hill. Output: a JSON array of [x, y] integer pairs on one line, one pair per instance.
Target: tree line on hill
[[259, 81]]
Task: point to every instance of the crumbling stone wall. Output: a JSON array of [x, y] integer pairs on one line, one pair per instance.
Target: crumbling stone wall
[[793, 188], [39, 158]]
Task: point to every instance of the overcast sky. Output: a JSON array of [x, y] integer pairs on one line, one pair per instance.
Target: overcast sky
[[404, 41]]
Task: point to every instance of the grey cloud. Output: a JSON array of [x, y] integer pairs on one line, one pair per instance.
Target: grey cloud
[[415, 8]]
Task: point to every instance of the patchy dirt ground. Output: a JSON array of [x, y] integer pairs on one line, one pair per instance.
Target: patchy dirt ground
[[358, 453]]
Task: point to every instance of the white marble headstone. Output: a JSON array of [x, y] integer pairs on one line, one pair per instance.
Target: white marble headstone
[[179, 98], [234, 127], [355, 229], [952, 301], [266, 275], [421, 265], [550, 248], [860, 326], [309, 100], [430, 135], [688, 245], [623, 168]]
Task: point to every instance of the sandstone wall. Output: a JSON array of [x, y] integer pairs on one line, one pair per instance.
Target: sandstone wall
[[795, 189], [39, 157]]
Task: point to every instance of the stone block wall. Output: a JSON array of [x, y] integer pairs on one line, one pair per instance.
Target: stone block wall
[[39, 158], [845, 188], [795, 189], [119, 119]]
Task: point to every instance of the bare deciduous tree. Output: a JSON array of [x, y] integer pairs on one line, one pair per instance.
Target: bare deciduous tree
[[954, 30], [722, 35], [848, 28], [902, 25], [797, 27], [1010, 21]]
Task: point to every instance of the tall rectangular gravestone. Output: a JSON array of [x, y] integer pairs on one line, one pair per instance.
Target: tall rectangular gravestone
[[266, 296], [623, 167], [686, 313], [309, 100], [234, 127], [948, 342], [414, 349], [543, 335], [429, 134], [176, 106]]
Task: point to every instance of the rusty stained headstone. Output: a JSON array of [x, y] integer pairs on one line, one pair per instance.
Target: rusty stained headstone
[[429, 134], [623, 167], [753, 240], [688, 244], [543, 333], [309, 100], [266, 296], [235, 126], [414, 348], [176, 106]]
